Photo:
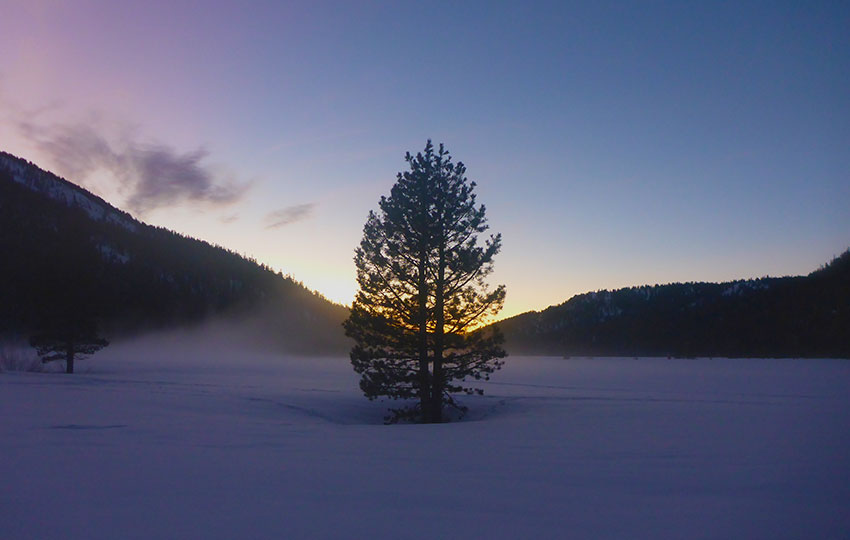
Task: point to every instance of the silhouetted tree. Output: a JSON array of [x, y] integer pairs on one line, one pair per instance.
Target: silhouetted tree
[[73, 341], [422, 291], [67, 302]]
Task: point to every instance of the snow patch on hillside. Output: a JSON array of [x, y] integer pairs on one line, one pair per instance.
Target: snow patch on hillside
[[737, 288], [63, 191]]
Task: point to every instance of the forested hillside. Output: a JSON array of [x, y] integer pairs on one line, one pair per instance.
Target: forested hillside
[[804, 316], [65, 248]]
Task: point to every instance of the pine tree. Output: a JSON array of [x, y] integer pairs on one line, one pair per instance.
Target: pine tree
[[68, 300], [421, 273], [74, 341]]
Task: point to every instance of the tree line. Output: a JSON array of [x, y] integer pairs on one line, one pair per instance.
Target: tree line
[[802, 316]]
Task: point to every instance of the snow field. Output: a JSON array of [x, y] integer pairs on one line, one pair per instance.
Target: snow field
[[171, 437]]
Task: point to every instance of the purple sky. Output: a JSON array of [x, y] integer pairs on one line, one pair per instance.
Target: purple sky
[[613, 145]]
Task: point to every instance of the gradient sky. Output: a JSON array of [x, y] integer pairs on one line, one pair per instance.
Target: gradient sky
[[613, 144]]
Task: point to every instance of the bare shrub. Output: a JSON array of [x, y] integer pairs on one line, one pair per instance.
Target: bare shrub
[[19, 357]]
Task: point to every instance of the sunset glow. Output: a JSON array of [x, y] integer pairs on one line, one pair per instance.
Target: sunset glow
[[612, 146]]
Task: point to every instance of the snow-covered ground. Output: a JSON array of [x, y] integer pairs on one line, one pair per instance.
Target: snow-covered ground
[[159, 438]]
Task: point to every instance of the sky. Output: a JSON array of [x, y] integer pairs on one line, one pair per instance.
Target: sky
[[613, 144]]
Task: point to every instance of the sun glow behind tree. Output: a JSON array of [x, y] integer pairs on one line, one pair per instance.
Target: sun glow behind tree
[[422, 292]]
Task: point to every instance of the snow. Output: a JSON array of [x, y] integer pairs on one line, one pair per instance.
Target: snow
[[164, 437], [65, 192], [739, 287], [110, 253]]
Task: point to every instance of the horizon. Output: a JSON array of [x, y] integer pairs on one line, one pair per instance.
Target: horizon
[[612, 147], [499, 317]]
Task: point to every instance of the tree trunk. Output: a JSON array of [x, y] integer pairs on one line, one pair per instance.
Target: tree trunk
[[437, 383], [69, 359], [424, 378]]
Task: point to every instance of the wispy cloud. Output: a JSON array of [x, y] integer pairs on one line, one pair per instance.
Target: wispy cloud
[[289, 215], [152, 175]]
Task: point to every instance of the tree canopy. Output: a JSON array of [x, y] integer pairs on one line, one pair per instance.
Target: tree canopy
[[70, 343], [422, 275]]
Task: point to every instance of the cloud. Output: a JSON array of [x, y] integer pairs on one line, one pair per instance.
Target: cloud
[[228, 219], [151, 175], [289, 215], [161, 175]]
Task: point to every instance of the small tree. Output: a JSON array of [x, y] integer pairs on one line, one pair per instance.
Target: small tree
[[421, 273], [73, 341], [67, 304]]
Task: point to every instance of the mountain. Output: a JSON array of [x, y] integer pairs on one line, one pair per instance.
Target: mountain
[[65, 249], [803, 316]]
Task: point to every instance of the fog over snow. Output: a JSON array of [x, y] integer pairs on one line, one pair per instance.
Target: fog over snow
[[192, 435]]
